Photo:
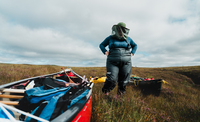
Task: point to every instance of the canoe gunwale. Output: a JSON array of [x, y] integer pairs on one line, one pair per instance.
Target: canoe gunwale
[[24, 80]]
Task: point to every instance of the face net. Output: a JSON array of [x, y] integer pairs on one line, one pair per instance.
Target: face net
[[120, 32]]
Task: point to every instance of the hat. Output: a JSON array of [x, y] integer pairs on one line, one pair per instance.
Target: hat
[[120, 31], [122, 24]]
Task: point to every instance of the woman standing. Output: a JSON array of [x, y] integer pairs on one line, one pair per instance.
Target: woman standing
[[118, 65]]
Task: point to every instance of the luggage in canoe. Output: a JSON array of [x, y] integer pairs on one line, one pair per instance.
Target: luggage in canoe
[[55, 97]]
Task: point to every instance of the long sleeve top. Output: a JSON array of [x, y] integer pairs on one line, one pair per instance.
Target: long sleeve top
[[114, 43]]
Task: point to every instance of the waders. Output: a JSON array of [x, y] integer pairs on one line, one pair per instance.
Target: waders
[[118, 70]]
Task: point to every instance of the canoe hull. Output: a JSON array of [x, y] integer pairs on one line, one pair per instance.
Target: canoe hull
[[85, 114]]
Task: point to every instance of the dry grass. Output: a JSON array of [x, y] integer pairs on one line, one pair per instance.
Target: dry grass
[[177, 102]]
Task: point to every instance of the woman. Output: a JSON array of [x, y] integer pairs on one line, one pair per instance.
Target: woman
[[118, 65]]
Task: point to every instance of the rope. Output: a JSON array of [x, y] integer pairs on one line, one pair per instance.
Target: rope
[[136, 84]]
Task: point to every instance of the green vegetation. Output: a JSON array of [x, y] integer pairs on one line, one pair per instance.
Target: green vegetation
[[177, 102]]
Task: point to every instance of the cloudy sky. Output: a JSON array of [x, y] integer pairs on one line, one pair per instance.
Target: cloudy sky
[[68, 32]]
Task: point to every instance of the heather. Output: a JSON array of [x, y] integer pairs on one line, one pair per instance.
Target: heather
[[178, 101]]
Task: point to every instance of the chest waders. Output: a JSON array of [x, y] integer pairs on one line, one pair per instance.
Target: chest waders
[[118, 67]]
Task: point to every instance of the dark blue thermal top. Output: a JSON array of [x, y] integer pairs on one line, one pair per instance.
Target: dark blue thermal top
[[115, 43]]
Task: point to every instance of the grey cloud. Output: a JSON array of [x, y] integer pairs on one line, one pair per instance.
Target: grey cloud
[[69, 32]]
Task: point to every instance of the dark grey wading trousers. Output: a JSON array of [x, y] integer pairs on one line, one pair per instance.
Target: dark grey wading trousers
[[118, 67]]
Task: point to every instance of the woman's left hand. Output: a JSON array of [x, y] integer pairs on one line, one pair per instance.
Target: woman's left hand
[[106, 53], [131, 54]]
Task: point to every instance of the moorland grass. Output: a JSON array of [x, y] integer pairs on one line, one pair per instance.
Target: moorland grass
[[178, 101]]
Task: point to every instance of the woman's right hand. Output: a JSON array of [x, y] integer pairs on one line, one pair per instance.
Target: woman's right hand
[[106, 53]]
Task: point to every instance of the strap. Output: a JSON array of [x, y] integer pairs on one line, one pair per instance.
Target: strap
[[128, 46]]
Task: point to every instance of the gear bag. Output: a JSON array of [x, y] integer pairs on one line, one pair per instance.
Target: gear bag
[[33, 97], [59, 103]]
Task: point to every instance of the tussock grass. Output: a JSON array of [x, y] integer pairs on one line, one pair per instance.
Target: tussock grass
[[177, 102]]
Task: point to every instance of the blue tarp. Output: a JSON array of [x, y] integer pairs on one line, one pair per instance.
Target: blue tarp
[[3, 114]]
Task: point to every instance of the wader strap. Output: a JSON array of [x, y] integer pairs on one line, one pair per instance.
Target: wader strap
[[112, 45], [128, 46]]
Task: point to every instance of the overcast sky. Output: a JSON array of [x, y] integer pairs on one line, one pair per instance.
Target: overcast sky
[[68, 32]]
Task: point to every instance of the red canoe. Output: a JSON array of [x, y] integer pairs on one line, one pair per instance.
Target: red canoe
[[77, 105]]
